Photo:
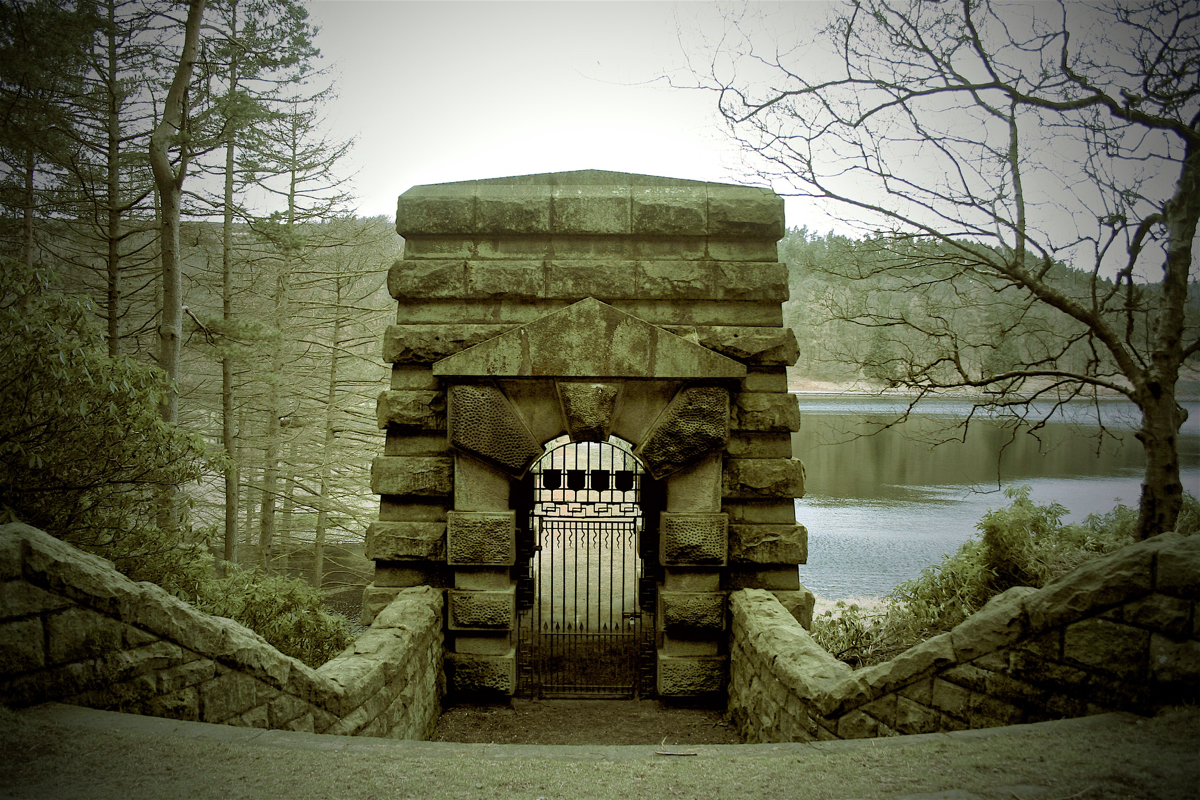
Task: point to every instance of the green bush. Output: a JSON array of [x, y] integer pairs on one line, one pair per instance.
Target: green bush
[[1023, 544], [287, 612], [84, 456]]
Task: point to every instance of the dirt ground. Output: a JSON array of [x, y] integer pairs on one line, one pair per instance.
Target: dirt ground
[[584, 722]]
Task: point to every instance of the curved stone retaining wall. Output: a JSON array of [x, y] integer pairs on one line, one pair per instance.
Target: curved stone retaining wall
[[74, 630], [1118, 633]]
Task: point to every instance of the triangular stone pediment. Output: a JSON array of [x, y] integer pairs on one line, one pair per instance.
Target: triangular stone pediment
[[589, 339]]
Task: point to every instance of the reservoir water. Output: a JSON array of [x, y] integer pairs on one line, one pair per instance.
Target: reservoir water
[[881, 505]]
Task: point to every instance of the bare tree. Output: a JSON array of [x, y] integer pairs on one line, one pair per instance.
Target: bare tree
[[1046, 155]]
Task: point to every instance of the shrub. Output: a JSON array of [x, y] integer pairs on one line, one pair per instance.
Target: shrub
[[84, 455], [287, 612], [1023, 544]]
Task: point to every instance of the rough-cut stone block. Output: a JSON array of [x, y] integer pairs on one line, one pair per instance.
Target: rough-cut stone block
[[376, 599], [762, 478], [423, 410], [19, 599], [470, 610], [693, 539], [512, 210], [691, 613], [79, 633], [696, 488], [675, 280], [768, 544], [720, 249], [611, 280], [751, 280], [591, 210], [799, 604], [745, 212], [998, 624], [1102, 583], [759, 445], [403, 574], [766, 412], [427, 279], [669, 211], [476, 674], [226, 696], [482, 422], [1107, 646], [1161, 613], [406, 541], [425, 343], [481, 538], [695, 423], [588, 409], [764, 577], [690, 676], [857, 725], [22, 646], [760, 346], [1173, 662], [412, 475], [1178, 572], [508, 279], [434, 210], [763, 512]]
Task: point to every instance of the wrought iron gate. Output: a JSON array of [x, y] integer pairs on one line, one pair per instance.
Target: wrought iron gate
[[584, 634]]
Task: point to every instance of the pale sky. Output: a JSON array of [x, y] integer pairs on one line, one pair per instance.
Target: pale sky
[[448, 90]]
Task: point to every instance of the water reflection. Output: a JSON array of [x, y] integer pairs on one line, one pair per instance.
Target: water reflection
[[881, 507]]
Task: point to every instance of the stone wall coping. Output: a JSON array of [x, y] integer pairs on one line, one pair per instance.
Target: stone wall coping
[[1018, 613], [340, 686]]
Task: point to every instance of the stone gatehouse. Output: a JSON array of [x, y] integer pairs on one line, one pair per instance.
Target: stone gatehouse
[[636, 313]]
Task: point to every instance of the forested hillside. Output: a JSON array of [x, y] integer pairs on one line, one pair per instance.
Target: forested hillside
[[868, 312]]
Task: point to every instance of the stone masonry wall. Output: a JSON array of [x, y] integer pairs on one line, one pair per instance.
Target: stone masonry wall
[[74, 630], [1118, 633]]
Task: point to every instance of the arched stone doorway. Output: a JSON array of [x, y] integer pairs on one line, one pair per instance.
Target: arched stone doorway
[[585, 621], [587, 305]]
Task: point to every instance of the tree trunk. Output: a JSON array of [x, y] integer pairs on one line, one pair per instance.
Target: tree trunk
[[1162, 491], [169, 182], [27, 231], [318, 577], [113, 159]]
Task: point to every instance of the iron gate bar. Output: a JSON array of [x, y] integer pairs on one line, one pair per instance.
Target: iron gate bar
[[584, 635]]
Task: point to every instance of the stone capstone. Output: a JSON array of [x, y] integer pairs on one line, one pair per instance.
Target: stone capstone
[[768, 544], [799, 604], [695, 423], [687, 539], [588, 409], [406, 541], [419, 476], [682, 676], [482, 422], [471, 610], [483, 538], [590, 203], [473, 674], [683, 613]]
